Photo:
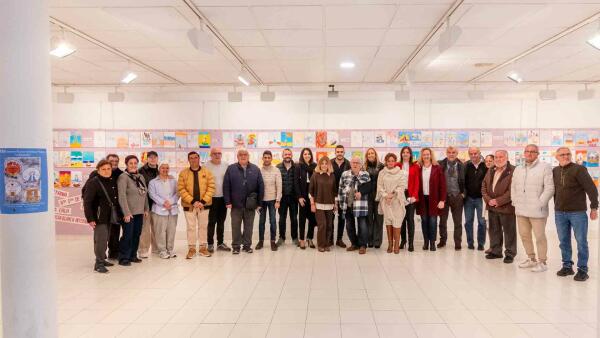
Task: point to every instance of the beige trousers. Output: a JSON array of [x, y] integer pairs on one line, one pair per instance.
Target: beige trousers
[[147, 238], [538, 225], [196, 228]]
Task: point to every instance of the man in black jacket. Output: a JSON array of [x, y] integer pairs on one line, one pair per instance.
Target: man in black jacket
[[289, 198], [340, 164], [454, 171], [149, 171], [475, 171]]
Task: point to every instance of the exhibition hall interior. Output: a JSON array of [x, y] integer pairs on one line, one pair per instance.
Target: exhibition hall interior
[[299, 168]]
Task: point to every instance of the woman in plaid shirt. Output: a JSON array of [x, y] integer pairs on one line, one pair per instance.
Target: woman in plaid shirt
[[353, 195]]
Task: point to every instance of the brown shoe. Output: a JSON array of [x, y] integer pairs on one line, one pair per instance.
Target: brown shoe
[[351, 248], [273, 246], [396, 232], [204, 252], [328, 249], [362, 250], [191, 253], [321, 250], [340, 243], [302, 245]]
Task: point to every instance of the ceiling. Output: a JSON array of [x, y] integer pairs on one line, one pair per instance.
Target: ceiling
[[299, 43]]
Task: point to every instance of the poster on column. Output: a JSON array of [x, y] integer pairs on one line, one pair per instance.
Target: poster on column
[[25, 181]]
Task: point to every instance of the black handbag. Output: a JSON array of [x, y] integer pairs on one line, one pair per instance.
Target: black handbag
[[114, 215], [252, 201]]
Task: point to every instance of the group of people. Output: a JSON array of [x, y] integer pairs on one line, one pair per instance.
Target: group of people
[[365, 196]]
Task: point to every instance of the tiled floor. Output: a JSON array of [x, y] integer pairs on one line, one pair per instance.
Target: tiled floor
[[295, 293]]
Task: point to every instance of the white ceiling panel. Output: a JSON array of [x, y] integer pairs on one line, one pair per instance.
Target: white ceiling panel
[[88, 18], [303, 71], [381, 70], [294, 38], [255, 53], [354, 37], [352, 17], [230, 18], [148, 54], [190, 76], [251, 38], [299, 53], [158, 18], [408, 36], [268, 70], [339, 54], [397, 53], [497, 15], [289, 17], [418, 16], [122, 38]]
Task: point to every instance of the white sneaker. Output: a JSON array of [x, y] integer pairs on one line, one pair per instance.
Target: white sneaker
[[173, 255], [143, 254], [164, 255], [527, 264], [540, 267]]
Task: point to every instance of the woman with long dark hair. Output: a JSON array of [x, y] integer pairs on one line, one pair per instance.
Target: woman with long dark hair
[[411, 169], [373, 166], [304, 170]]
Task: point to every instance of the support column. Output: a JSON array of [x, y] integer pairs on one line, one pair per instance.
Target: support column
[[27, 254]]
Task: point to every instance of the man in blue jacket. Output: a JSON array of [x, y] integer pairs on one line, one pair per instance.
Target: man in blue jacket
[[243, 190]]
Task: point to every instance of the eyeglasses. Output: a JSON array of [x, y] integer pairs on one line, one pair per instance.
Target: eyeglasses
[[217, 153], [564, 155], [530, 152]]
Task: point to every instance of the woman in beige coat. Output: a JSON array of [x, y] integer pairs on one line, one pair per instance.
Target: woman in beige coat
[[391, 184]]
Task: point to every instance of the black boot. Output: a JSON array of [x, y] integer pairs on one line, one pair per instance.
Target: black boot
[[411, 247], [426, 245], [432, 246], [402, 244]]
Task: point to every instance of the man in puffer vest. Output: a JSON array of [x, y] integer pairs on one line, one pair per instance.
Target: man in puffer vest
[[532, 188]]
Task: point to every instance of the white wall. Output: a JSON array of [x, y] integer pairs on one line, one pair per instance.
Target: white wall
[[92, 111]]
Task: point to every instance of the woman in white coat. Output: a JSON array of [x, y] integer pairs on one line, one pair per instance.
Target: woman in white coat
[[391, 184]]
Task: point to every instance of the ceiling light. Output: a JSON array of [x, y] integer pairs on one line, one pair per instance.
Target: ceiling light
[[332, 93], [62, 49], [201, 40], [595, 41], [347, 65], [402, 95], [585, 94], [267, 96], [449, 37], [234, 97], [116, 96], [243, 80], [515, 77], [547, 94], [129, 77], [65, 97]]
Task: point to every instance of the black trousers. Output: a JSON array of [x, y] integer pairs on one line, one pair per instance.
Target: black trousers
[[114, 232], [216, 218], [288, 203], [306, 215], [341, 223], [503, 231], [374, 224], [454, 204], [408, 224], [100, 242]]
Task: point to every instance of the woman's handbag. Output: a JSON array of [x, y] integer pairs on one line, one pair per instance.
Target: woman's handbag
[[114, 215]]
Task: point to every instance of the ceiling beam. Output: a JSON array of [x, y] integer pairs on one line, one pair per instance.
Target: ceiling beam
[[190, 4], [539, 46], [439, 24], [113, 50]]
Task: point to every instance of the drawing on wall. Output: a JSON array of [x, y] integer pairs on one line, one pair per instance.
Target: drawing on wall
[[180, 139], [287, 139], [321, 138], [169, 140], [204, 140], [134, 140], [75, 139]]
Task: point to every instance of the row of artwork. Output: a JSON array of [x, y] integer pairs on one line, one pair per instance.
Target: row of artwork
[[322, 139]]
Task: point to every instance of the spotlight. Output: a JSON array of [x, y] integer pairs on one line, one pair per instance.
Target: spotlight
[[547, 94], [129, 77], [234, 96], [332, 93], [347, 65], [267, 96], [585, 94], [243, 80], [449, 37], [515, 77], [201, 40]]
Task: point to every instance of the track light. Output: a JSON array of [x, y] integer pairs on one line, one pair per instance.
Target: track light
[[585, 94], [449, 37], [515, 77], [59, 46], [129, 77], [65, 97], [201, 40], [243, 80], [547, 94], [116, 96], [402, 95], [332, 93], [267, 96], [595, 40], [234, 96]]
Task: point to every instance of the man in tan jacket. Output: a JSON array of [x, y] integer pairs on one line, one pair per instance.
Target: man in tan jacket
[[196, 187]]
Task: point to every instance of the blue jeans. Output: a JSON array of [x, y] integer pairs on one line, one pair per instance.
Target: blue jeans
[[130, 240], [361, 238], [474, 206], [578, 221], [270, 207], [429, 228]]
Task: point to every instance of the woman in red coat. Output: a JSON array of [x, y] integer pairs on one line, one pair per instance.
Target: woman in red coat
[[432, 196], [412, 196]]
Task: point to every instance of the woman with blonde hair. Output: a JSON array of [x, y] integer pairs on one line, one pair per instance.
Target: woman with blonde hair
[[373, 166], [432, 196], [391, 184], [322, 194]]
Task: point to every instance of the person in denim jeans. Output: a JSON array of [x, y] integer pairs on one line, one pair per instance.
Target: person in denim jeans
[[571, 184], [272, 180], [353, 196], [475, 170]]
